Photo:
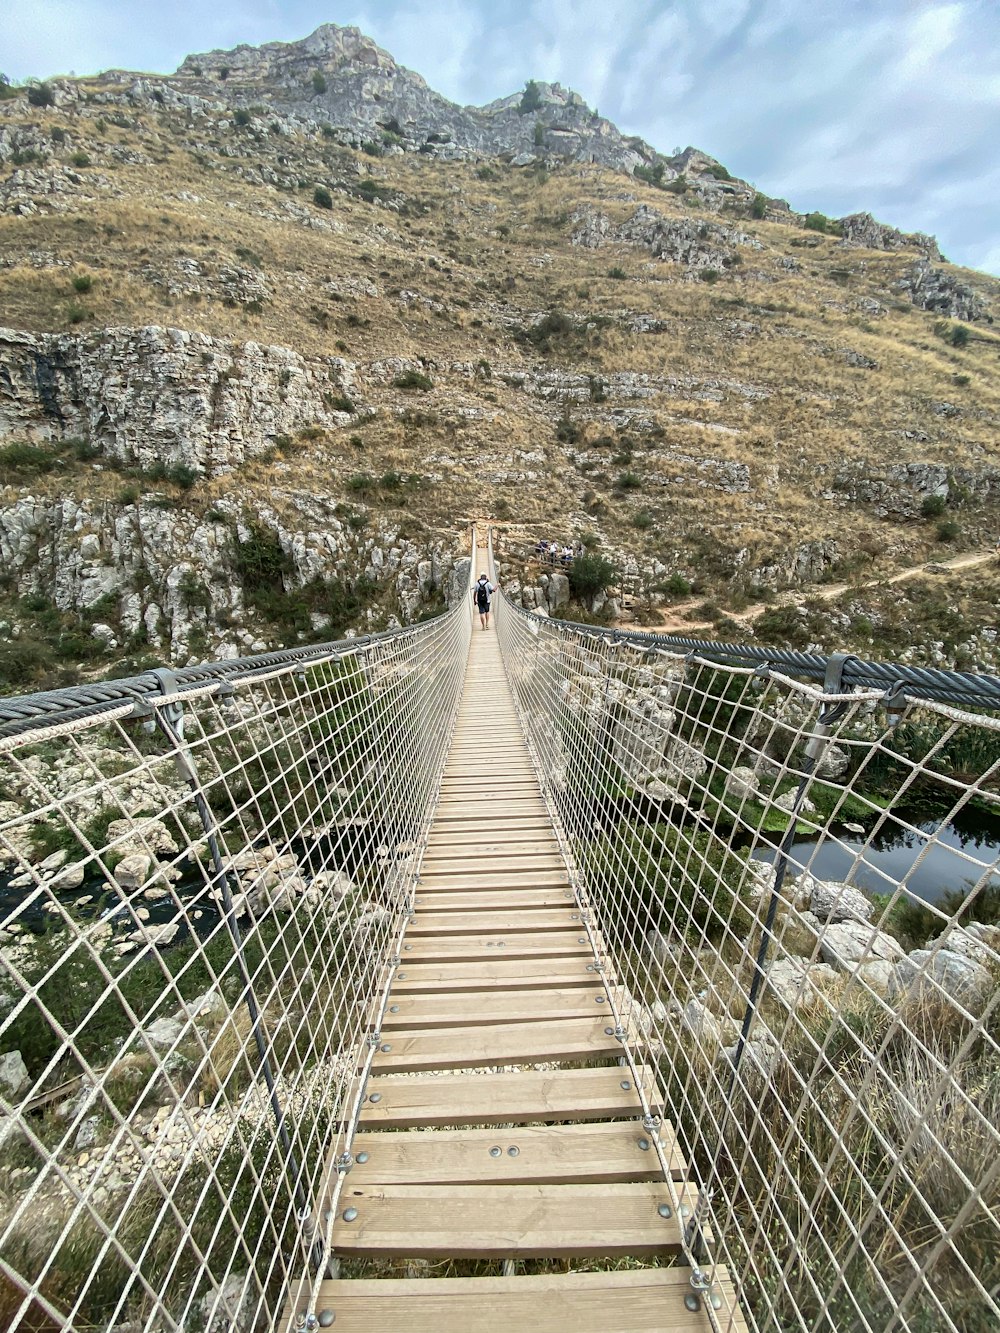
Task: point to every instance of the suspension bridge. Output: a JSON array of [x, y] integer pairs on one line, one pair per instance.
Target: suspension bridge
[[540, 975]]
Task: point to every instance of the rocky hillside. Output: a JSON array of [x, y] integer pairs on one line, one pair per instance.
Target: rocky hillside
[[279, 324]]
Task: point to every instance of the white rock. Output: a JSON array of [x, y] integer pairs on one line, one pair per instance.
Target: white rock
[[742, 783], [163, 1032], [796, 981], [132, 871], [54, 860], [929, 972], [849, 943], [13, 1073], [833, 902], [86, 1135]]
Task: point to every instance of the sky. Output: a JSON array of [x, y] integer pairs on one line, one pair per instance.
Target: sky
[[885, 106]]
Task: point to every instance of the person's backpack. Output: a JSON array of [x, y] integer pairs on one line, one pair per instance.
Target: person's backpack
[[483, 596]]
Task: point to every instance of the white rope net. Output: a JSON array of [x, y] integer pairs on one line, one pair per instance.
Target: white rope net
[[198, 910], [791, 893]]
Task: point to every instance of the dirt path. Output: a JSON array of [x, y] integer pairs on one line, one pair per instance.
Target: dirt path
[[674, 621]]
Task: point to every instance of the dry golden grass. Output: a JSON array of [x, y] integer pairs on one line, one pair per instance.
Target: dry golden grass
[[494, 254]]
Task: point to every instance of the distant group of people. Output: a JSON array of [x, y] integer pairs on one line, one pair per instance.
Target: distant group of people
[[554, 553]]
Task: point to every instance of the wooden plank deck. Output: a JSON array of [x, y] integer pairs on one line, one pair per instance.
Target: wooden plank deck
[[457, 1156]]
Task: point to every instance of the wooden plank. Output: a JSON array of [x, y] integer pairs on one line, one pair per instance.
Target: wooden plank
[[634, 1300], [505, 1221], [502, 1005], [519, 973], [474, 900], [491, 864], [491, 922], [574, 1154], [569, 1039], [518, 1097], [536, 944], [501, 878], [493, 854], [501, 833]]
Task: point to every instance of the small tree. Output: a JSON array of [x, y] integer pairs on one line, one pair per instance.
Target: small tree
[[932, 506], [322, 197], [539, 134], [758, 209], [319, 82], [41, 94], [242, 117], [531, 98], [589, 575], [817, 222]]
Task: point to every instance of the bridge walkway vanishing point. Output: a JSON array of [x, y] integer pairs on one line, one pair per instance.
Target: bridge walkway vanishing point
[[500, 1120]]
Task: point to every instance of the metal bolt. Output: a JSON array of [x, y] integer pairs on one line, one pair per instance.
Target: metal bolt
[[643, 1145], [407, 947], [375, 1097], [684, 1210], [598, 999], [300, 1321], [401, 976], [489, 944], [501, 944], [362, 1158], [350, 1214], [393, 1008], [691, 1302], [311, 1321], [327, 1317], [590, 967], [700, 1280], [496, 1151], [513, 1151], [386, 1048], [328, 1214], [574, 916], [625, 1084], [344, 1162], [609, 1032], [582, 939], [716, 1300], [665, 1210]]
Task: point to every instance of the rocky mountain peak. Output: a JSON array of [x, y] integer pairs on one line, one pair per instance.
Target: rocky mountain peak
[[328, 50]]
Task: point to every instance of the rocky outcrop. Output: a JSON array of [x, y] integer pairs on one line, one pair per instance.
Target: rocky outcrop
[[695, 244], [340, 77], [171, 577], [164, 397], [941, 292], [862, 231], [901, 488]]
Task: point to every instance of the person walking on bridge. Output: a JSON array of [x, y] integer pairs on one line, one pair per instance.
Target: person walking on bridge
[[482, 594]]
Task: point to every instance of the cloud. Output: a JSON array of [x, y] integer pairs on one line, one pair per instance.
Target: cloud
[[891, 107]]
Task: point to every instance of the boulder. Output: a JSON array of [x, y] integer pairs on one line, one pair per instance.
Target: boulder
[[132, 871], [698, 1020], [976, 941], [743, 784], [796, 981], [926, 973], [13, 1073], [848, 943], [834, 902], [163, 1032], [86, 1135]]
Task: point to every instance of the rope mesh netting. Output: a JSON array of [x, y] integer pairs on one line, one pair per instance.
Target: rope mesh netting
[[790, 891], [200, 897]]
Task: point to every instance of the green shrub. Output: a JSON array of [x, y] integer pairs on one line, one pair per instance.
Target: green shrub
[[567, 431], [552, 326], [21, 460], [617, 272], [758, 209], [948, 531], [709, 275], [75, 313], [598, 393], [224, 72], [531, 99], [319, 82], [719, 172], [590, 574], [82, 282], [242, 117], [7, 89], [413, 379], [677, 586], [372, 189], [80, 159], [340, 403], [652, 175], [643, 520], [361, 483], [487, 174], [372, 148], [41, 94], [628, 481], [322, 197], [932, 506], [677, 186], [817, 222]]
